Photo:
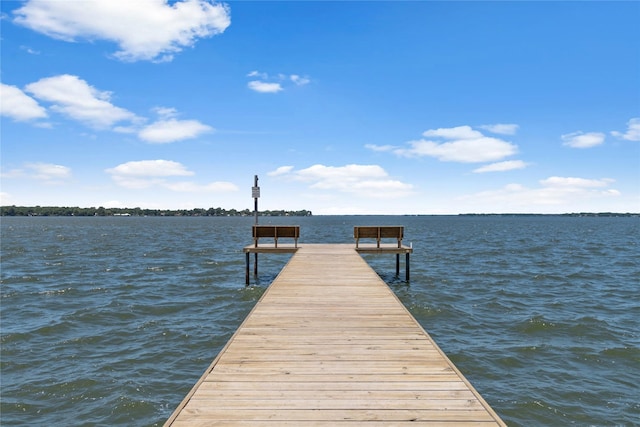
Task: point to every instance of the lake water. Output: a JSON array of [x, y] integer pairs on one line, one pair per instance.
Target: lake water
[[111, 320]]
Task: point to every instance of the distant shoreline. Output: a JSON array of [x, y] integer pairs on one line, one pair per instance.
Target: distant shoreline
[[139, 212], [101, 211]]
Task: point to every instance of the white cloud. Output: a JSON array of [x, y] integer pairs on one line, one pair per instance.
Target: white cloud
[[575, 183], [29, 50], [380, 148], [464, 145], [157, 173], [501, 128], [143, 29], [459, 132], [633, 130], [150, 168], [464, 151], [369, 181], [501, 166], [171, 130], [351, 172], [282, 170], [298, 80], [75, 98], [126, 129], [47, 173], [256, 73], [165, 112], [13, 173], [264, 87], [583, 140], [18, 105], [554, 194], [274, 83]]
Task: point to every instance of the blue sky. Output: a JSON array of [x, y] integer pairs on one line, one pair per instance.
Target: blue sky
[[338, 107]]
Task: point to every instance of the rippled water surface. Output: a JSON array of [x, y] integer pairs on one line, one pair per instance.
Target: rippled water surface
[[110, 321]]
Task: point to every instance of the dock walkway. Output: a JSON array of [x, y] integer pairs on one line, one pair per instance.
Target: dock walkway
[[329, 343]]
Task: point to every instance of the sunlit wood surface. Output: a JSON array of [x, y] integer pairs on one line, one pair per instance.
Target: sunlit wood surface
[[330, 344]]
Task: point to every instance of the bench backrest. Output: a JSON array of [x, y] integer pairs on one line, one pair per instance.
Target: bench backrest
[[276, 232], [392, 232], [378, 233], [365, 232]]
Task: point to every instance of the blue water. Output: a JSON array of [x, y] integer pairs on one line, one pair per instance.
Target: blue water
[[110, 321]]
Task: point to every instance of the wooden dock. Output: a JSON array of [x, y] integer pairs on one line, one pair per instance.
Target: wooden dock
[[330, 344]]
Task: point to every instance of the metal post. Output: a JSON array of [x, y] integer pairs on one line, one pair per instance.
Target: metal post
[[246, 272], [397, 265], [255, 264], [406, 262], [255, 192]]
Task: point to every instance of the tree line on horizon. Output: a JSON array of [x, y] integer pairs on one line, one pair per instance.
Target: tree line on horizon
[[101, 211]]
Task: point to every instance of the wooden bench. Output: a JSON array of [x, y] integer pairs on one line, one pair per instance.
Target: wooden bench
[[378, 233], [276, 232]]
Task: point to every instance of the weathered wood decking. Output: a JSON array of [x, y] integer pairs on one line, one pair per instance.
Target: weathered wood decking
[[330, 344]]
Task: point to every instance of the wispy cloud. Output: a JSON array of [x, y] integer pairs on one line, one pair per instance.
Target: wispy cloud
[[143, 29], [18, 105], [368, 181], [29, 50], [633, 130], [147, 168], [380, 148], [272, 84], [282, 170], [501, 128], [458, 144], [49, 171], [583, 140], [501, 166], [563, 193], [146, 174], [46, 173], [298, 80], [264, 87]]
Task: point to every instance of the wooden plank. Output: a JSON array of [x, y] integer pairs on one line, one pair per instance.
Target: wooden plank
[[319, 387], [213, 412], [345, 394], [330, 344], [309, 423], [336, 377]]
